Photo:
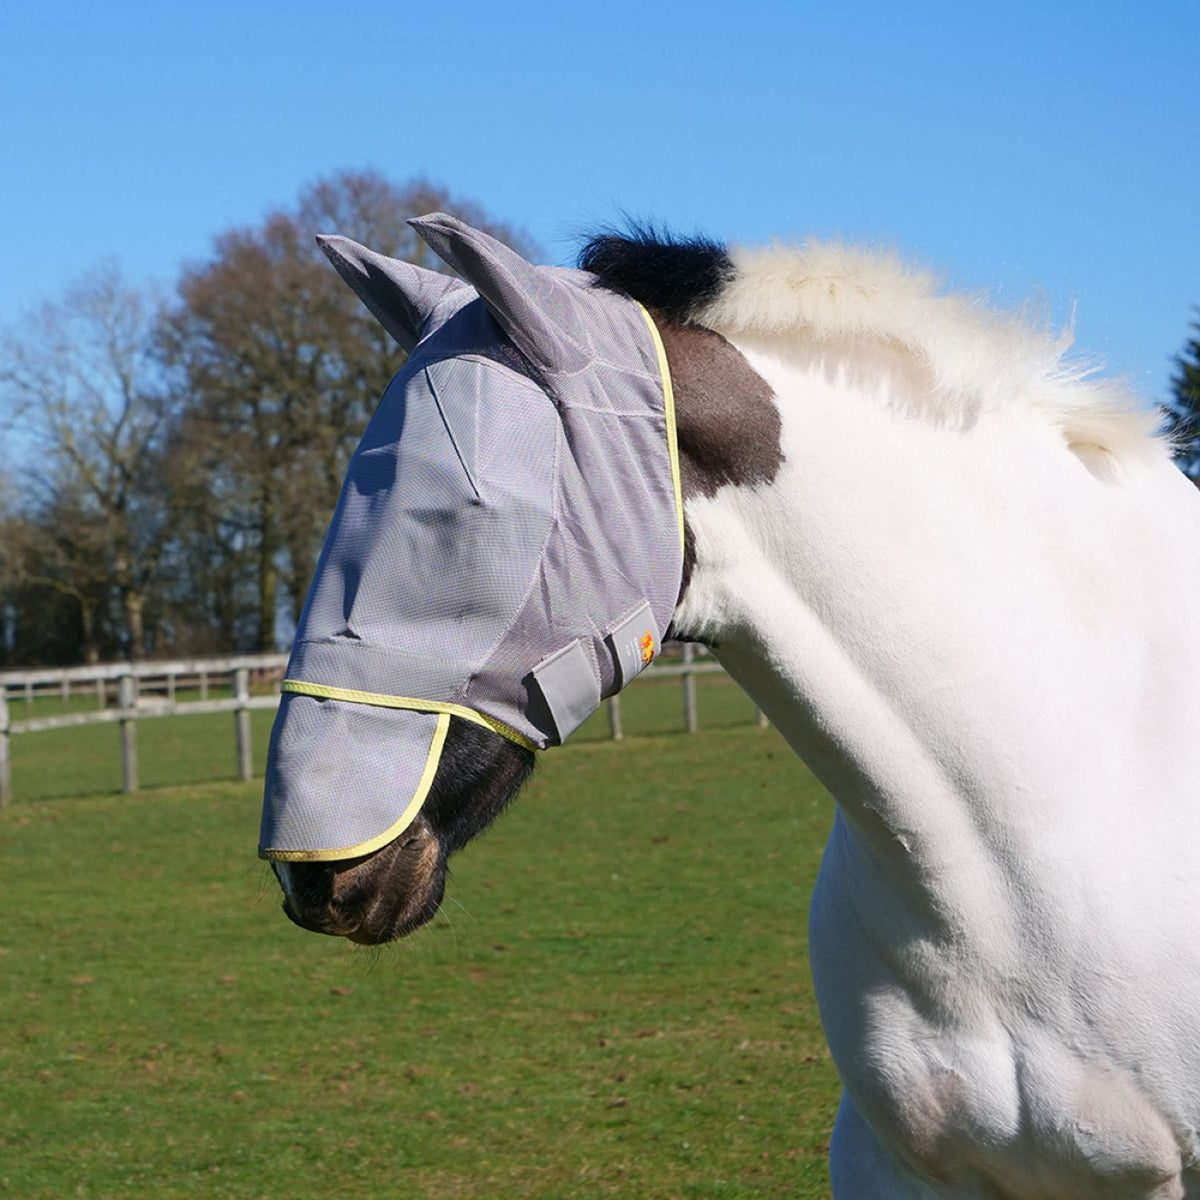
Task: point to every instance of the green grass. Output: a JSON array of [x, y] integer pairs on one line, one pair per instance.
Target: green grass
[[615, 1001]]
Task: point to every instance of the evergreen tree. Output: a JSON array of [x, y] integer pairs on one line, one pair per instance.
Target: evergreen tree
[[1183, 408]]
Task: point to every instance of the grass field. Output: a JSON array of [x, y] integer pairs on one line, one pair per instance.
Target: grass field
[[615, 1001]]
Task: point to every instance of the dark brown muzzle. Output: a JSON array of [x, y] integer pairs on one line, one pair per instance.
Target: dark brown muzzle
[[372, 899], [382, 896]]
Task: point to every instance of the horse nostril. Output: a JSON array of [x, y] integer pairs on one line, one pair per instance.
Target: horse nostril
[[308, 897], [307, 884]]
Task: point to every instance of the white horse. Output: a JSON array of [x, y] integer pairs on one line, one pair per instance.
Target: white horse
[[961, 578]]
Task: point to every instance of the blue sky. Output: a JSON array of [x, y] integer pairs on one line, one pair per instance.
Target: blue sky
[[1021, 148]]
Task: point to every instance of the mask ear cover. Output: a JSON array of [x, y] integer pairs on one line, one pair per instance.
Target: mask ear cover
[[567, 684], [538, 311], [400, 296]]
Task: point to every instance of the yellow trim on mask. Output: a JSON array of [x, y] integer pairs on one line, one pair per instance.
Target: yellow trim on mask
[[381, 700], [669, 411], [393, 831]]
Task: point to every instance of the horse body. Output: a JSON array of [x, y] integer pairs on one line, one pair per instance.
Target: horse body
[[981, 640], [961, 581]]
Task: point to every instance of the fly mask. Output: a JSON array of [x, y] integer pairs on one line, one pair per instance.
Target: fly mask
[[507, 548]]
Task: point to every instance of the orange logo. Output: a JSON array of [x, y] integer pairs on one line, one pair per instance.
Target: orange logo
[[646, 644]]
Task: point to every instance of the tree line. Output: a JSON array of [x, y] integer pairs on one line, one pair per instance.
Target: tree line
[[170, 463]]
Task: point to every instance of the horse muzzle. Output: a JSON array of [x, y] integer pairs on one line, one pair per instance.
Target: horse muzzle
[[373, 899]]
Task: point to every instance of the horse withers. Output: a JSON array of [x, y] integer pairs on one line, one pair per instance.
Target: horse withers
[[957, 573]]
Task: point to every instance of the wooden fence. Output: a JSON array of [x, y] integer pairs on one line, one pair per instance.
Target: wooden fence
[[143, 690]]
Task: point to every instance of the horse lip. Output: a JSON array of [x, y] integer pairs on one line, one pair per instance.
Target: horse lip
[[321, 926], [367, 934]]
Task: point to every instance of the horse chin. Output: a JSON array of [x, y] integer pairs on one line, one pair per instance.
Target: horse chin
[[396, 916], [373, 899]]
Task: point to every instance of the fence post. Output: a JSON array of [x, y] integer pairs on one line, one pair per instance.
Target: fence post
[[203, 685], [171, 689], [127, 702], [690, 723], [101, 693], [5, 770], [66, 690], [29, 697], [241, 724], [614, 718]]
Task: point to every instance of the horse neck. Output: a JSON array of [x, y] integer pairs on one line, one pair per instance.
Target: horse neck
[[932, 615]]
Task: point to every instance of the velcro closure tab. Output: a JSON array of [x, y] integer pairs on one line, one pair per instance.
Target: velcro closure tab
[[634, 644], [569, 687]]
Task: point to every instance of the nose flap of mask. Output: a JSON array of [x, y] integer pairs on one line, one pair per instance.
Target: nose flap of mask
[[345, 779]]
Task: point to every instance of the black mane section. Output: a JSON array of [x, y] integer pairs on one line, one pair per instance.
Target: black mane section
[[675, 275]]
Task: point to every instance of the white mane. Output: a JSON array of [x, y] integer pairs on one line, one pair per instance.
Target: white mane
[[833, 299]]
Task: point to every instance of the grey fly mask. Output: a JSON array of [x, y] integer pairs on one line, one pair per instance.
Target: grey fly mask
[[508, 546]]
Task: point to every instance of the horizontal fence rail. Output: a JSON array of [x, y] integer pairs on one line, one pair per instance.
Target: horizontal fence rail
[[144, 690], [102, 680]]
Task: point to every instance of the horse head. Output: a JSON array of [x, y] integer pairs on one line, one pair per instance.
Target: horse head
[[509, 549]]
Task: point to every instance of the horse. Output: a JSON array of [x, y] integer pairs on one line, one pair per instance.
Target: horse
[[958, 572]]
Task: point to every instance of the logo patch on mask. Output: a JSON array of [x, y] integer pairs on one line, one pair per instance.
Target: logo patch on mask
[[634, 644], [646, 643]]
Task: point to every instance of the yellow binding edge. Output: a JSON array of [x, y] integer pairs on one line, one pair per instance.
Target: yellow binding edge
[[381, 700], [669, 411], [394, 830]]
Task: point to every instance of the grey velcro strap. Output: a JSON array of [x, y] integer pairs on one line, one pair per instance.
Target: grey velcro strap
[[569, 687]]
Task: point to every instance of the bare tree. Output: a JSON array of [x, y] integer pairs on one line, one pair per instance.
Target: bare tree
[[81, 392], [175, 467]]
